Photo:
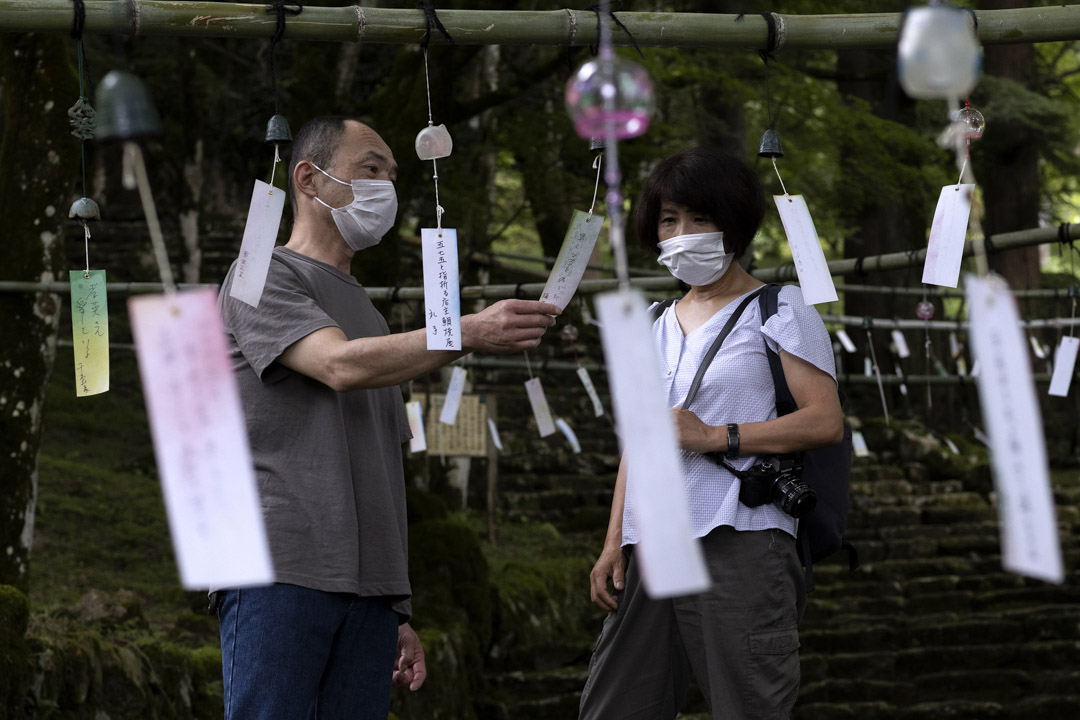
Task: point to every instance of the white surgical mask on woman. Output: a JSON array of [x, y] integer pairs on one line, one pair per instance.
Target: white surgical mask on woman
[[697, 259], [365, 220]]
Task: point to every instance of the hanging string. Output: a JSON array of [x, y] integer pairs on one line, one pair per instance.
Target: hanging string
[[135, 175], [280, 8], [778, 177], [431, 20], [867, 323], [81, 115], [434, 165], [596, 163], [528, 365], [611, 8]]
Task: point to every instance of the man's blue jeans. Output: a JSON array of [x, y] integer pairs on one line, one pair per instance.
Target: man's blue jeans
[[291, 653]]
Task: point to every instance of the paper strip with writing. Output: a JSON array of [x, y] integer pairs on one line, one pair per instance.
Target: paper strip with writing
[[598, 407], [671, 558], [573, 256], [200, 440], [453, 396], [415, 412], [945, 250], [544, 424], [442, 300], [260, 236], [90, 332], [814, 276], [1029, 531], [1064, 363]]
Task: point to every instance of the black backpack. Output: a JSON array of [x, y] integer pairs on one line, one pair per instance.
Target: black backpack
[[825, 469]]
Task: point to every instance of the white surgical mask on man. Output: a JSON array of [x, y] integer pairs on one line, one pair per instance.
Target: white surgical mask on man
[[697, 259], [365, 220]]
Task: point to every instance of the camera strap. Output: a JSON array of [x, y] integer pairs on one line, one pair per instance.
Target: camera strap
[[715, 347]]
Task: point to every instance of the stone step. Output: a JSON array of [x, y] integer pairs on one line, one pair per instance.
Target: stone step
[[833, 690], [874, 710], [532, 482], [561, 499]]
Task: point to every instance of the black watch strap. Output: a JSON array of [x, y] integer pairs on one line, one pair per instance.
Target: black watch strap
[[732, 440]]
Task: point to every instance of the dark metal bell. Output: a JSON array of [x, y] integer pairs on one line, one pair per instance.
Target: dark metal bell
[[770, 145], [124, 108], [84, 210], [596, 144], [277, 130]]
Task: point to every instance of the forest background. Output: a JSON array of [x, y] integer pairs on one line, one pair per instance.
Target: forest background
[[862, 153]]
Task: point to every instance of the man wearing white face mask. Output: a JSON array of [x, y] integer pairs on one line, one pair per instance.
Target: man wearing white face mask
[[699, 211], [319, 375]]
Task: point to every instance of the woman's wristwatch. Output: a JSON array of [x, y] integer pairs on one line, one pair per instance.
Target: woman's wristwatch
[[732, 440]]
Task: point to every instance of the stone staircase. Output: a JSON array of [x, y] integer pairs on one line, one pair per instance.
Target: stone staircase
[[929, 627]]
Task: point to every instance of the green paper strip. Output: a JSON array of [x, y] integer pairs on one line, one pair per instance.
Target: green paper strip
[[90, 332]]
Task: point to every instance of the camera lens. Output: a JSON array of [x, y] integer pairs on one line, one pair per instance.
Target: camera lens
[[795, 498]]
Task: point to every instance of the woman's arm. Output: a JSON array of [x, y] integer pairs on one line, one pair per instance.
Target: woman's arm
[[818, 421], [611, 563]]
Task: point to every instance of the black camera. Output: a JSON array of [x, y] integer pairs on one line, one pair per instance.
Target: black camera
[[777, 479]]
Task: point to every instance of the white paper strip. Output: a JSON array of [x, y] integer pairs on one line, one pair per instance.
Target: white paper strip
[[952, 447], [868, 366], [845, 340], [945, 250], [415, 413], [442, 300], [858, 444], [573, 257], [1064, 363], [598, 407], [260, 235], [900, 374], [901, 344], [671, 559], [806, 253], [1037, 348], [200, 440], [961, 367], [1029, 536], [453, 396], [566, 430], [954, 345], [494, 434], [540, 408]]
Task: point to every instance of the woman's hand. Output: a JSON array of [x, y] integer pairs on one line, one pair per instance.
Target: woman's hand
[[611, 564], [694, 435]]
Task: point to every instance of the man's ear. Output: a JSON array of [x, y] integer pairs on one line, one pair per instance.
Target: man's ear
[[304, 179]]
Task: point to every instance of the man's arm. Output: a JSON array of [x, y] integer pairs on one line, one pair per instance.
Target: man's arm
[[341, 364]]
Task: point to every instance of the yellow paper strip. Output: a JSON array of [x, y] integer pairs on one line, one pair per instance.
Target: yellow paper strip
[[90, 332]]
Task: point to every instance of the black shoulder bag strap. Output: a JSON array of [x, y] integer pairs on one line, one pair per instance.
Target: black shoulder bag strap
[[715, 347]]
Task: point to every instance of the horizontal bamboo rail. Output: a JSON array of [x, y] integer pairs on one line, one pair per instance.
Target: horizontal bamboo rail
[[355, 23], [780, 273]]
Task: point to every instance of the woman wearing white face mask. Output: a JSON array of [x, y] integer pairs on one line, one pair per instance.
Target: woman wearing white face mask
[[699, 211]]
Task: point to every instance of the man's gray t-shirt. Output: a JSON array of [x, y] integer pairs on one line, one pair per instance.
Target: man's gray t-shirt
[[328, 464]]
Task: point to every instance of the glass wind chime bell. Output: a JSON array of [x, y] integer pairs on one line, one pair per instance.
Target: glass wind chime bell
[[631, 89]]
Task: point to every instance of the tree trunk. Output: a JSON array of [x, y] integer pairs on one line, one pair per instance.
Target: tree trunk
[[40, 161], [1010, 180]]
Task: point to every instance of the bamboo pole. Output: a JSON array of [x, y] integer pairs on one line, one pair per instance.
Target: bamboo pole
[[900, 260], [780, 273], [354, 23]]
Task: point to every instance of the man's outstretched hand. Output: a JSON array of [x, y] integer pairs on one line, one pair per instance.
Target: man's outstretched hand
[[508, 326]]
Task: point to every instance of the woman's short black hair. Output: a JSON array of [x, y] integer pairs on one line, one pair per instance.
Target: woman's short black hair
[[706, 180]]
